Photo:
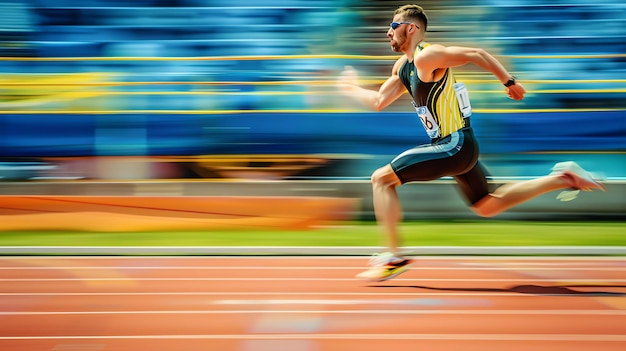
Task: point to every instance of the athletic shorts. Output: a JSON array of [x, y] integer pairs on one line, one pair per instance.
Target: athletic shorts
[[455, 155]]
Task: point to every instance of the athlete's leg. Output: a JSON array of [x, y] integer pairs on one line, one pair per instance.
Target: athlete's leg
[[387, 206], [564, 175], [421, 163], [388, 213], [512, 194]]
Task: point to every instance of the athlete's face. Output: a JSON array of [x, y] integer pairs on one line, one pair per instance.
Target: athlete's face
[[398, 36]]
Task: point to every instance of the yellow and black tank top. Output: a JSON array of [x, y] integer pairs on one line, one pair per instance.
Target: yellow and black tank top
[[438, 98]]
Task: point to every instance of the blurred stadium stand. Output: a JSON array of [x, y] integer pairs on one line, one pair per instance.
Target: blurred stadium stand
[[181, 84]]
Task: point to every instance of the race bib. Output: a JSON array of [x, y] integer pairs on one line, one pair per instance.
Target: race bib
[[429, 122], [463, 97]]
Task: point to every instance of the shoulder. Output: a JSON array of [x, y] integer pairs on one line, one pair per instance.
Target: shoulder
[[398, 64], [430, 50], [432, 57]]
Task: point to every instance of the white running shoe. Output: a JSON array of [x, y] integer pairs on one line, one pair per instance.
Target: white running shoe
[[385, 266], [576, 177]]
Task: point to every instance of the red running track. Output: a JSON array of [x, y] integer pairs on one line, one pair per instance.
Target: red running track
[[310, 304]]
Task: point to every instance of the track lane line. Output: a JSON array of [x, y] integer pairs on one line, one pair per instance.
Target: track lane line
[[486, 337], [263, 293], [477, 268], [519, 280], [313, 311]]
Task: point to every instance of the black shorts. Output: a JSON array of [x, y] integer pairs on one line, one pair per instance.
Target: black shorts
[[455, 155]]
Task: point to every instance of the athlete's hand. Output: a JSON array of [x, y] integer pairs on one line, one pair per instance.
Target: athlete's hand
[[348, 79], [516, 91]]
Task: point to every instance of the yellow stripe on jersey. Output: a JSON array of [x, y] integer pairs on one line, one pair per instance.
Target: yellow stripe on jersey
[[443, 103], [447, 106]]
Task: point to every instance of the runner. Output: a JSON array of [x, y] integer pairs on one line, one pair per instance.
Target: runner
[[442, 104]]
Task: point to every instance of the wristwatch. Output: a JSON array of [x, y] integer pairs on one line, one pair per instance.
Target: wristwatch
[[510, 82]]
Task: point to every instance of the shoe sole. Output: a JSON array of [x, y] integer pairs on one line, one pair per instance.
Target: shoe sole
[[396, 273]]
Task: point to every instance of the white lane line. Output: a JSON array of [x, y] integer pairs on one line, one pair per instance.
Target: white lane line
[[465, 258], [483, 280], [513, 262], [296, 268], [311, 250], [336, 302], [420, 303], [466, 337], [312, 311], [237, 293]]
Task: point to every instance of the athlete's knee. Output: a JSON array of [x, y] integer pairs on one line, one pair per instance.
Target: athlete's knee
[[486, 213], [377, 178], [384, 177], [486, 207]]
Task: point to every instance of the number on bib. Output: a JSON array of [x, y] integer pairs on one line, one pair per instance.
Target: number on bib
[[429, 122]]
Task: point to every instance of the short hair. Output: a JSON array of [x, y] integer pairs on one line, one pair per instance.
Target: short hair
[[414, 12]]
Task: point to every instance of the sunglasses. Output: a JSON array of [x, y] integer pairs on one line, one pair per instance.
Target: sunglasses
[[395, 25]]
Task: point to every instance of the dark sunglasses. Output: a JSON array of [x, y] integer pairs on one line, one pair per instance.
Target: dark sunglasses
[[395, 25]]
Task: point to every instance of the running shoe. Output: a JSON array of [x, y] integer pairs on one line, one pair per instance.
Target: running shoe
[[576, 177], [385, 266]]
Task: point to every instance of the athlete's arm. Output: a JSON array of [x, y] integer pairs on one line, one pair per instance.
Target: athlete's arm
[[436, 57], [377, 100]]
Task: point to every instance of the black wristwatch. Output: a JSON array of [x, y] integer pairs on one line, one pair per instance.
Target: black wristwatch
[[510, 82]]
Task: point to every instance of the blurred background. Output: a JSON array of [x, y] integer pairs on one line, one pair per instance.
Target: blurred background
[[188, 90]]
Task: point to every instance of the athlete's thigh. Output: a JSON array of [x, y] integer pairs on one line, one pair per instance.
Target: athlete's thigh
[[453, 155], [422, 163], [473, 183]]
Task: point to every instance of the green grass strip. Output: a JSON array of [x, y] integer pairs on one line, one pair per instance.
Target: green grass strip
[[420, 233]]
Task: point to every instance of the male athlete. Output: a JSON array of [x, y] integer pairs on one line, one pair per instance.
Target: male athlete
[[424, 71]]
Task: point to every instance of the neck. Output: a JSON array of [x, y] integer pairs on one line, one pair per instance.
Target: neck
[[411, 53]]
